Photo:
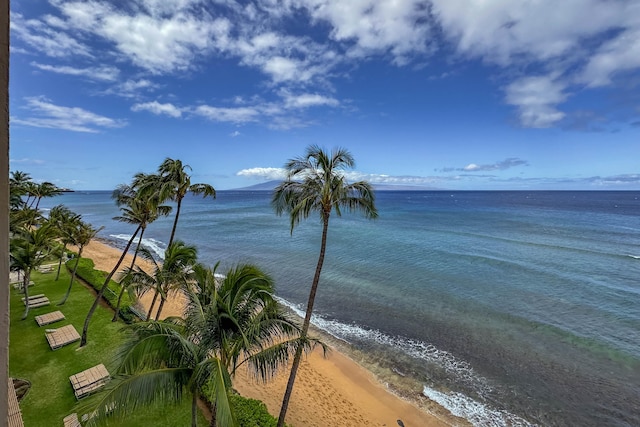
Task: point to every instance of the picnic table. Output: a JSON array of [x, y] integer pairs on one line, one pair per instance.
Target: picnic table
[[88, 381]]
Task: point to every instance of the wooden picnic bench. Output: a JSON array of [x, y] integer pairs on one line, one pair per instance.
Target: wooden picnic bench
[[88, 381], [62, 336], [37, 301], [47, 318]]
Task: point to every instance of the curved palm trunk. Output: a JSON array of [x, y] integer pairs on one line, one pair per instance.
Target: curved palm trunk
[[160, 307], [133, 263], [85, 329], [173, 234], [175, 222], [305, 325], [25, 285], [64, 251], [73, 276], [153, 304]]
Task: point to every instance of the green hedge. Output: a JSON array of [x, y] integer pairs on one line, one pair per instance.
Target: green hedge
[[252, 412], [96, 278]]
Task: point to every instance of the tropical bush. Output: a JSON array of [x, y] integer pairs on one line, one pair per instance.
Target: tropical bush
[[252, 412]]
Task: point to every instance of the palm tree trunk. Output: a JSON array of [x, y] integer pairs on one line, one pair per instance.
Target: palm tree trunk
[[73, 276], [27, 278], [133, 263], [160, 307], [153, 303], [175, 222], [194, 410], [305, 324], [64, 251], [85, 329], [213, 422]]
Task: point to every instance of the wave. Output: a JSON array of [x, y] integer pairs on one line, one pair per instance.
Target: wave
[[473, 411], [458, 404], [156, 246], [634, 256]]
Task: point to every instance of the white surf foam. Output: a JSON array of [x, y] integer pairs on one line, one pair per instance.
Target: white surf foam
[[476, 413], [460, 405], [155, 246]]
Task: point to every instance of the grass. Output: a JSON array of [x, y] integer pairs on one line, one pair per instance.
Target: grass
[[51, 397]]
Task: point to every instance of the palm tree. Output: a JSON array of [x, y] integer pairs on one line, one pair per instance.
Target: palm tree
[[131, 215], [316, 184], [145, 208], [18, 183], [172, 183], [81, 236], [44, 189], [238, 318], [66, 223], [176, 183], [27, 251], [159, 364], [229, 322], [168, 277]]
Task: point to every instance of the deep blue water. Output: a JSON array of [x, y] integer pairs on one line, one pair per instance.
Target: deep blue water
[[510, 307]]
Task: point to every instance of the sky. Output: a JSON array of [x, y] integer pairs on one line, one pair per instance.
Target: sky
[[441, 94]]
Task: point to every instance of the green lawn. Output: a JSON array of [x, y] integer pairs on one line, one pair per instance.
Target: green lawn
[[51, 397]]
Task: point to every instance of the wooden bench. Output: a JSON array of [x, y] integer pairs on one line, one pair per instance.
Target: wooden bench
[[47, 318], [88, 381], [71, 420], [62, 336]]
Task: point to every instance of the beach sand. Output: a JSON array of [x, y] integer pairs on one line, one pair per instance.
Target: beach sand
[[332, 391]]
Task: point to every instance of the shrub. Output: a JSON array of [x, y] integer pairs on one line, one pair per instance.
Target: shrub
[[252, 412], [96, 278]]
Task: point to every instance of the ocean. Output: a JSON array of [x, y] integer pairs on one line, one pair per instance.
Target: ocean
[[510, 308]]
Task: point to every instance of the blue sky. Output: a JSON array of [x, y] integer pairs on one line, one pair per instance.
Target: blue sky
[[447, 94]]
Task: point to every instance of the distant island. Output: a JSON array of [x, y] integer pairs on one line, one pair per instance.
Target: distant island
[[271, 185]]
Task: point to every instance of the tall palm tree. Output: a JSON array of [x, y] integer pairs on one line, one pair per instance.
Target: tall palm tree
[[81, 236], [145, 208], [176, 183], [28, 250], [170, 276], [172, 182], [130, 214], [66, 223], [18, 183], [44, 189], [316, 184]]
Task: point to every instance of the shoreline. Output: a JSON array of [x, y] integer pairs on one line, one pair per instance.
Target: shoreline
[[335, 390]]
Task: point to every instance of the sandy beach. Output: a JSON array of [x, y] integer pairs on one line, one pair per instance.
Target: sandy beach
[[332, 391]]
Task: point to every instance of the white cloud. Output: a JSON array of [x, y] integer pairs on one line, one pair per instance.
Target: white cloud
[[615, 56], [159, 37], [505, 32], [48, 115], [131, 88], [233, 115], [401, 27], [234, 134], [159, 109], [263, 173], [501, 165], [27, 161], [536, 98], [44, 39], [305, 100], [105, 73]]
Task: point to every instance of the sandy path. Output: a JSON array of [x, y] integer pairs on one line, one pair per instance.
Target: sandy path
[[332, 391]]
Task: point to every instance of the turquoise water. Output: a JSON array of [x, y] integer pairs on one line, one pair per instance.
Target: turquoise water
[[513, 308]]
